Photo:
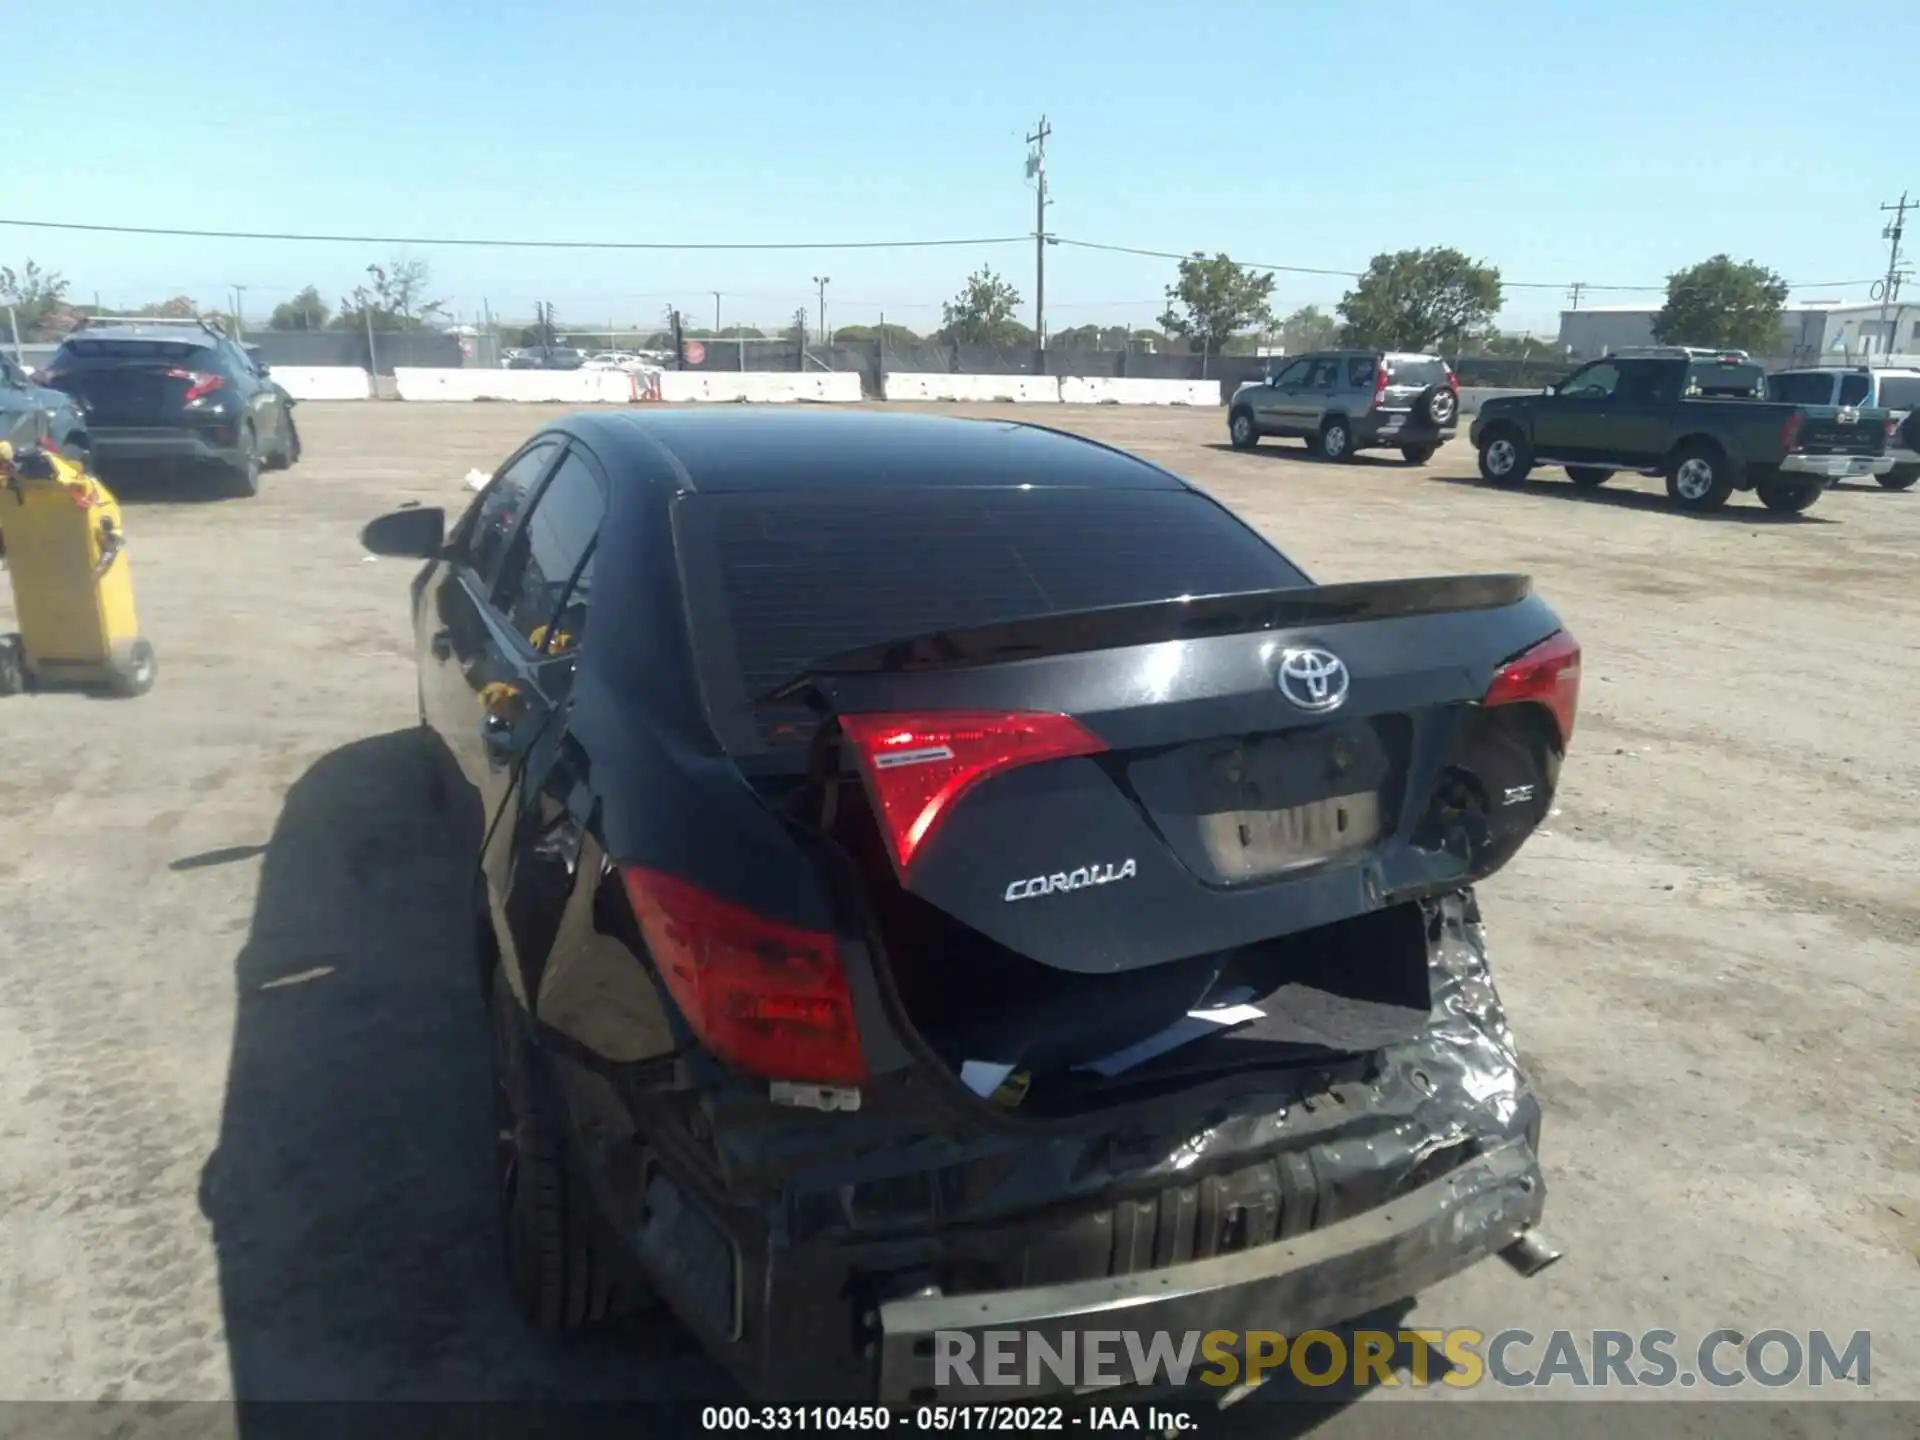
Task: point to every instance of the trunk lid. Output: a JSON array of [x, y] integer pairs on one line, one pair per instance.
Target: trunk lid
[[1843, 430], [1109, 790]]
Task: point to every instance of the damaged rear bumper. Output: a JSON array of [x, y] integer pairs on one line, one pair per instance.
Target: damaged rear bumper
[[1317, 1279]]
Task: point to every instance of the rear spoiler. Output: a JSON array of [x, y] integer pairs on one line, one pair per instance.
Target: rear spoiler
[[1186, 617]]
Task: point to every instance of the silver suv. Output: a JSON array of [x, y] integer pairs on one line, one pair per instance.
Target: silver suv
[[1863, 388], [1343, 401]]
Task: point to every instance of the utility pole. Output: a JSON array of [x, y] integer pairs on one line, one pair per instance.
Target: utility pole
[[240, 312], [821, 282], [1037, 172], [1573, 294], [1888, 290], [716, 314]]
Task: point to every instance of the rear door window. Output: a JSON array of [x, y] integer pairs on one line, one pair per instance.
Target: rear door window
[[778, 580]]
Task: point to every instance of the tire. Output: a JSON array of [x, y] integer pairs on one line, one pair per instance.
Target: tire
[[1789, 497], [1588, 477], [556, 1274], [1900, 477], [1241, 430], [1699, 477], [131, 669], [1335, 442], [13, 666], [1439, 406], [1505, 456], [1417, 454], [243, 480]]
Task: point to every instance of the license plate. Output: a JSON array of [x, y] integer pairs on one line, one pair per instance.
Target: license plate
[[1249, 844], [1859, 467]]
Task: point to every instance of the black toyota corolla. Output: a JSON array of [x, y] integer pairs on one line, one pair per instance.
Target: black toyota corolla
[[949, 875]]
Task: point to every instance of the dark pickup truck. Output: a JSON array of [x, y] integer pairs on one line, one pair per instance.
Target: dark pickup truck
[[1702, 419]]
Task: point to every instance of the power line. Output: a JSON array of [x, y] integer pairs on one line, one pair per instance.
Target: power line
[[494, 243], [484, 242]]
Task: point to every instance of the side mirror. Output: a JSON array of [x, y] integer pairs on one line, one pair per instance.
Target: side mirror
[[415, 533], [1551, 390]]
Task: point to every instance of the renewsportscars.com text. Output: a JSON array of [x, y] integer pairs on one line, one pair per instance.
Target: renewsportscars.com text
[[1460, 1358]]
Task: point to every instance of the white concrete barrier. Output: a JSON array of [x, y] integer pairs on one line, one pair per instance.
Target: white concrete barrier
[[566, 387], [1122, 390], [1021, 389], [759, 386], [323, 382]]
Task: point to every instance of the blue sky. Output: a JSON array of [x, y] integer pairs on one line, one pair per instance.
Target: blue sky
[[1609, 143]]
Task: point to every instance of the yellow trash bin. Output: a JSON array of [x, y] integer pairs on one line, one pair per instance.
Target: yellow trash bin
[[72, 594]]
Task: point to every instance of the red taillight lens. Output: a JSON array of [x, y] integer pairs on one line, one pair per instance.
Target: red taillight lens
[[1453, 383], [199, 383], [1380, 386], [1893, 427], [768, 997], [916, 766], [1790, 431], [1549, 675]]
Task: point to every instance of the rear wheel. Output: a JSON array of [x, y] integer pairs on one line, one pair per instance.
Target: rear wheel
[[1788, 497], [1900, 477], [1588, 477], [1242, 431], [243, 480], [558, 1277], [1336, 440], [1417, 454], [1699, 477], [1505, 456]]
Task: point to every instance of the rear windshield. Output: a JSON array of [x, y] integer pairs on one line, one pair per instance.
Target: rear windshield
[[172, 351], [1900, 392], [1416, 370], [778, 580], [1854, 389], [1710, 379]]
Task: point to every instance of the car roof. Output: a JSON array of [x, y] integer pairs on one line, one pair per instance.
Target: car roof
[[762, 449], [160, 334]]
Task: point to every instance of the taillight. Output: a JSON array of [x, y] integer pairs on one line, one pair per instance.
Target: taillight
[[1380, 386], [1790, 430], [916, 766], [200, 384], [1549, 675], [1453, 384], [1893, 426], [767, 997]]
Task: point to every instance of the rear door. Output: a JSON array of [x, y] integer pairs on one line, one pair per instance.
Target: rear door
[[1307, 406], [1640, 416]]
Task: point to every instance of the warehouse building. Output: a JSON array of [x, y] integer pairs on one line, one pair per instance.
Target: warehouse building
[[1809, 329]]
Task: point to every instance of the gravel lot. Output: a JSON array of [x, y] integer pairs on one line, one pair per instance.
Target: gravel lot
[[243, 1128]]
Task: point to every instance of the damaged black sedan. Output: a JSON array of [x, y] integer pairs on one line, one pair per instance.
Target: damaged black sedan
[[947, 876]]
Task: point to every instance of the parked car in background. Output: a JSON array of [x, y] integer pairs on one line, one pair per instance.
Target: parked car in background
[[1344, 401], [1699, 417], [912, 904], [1866, 387], [174, 394], [31, 412], [546, 357]]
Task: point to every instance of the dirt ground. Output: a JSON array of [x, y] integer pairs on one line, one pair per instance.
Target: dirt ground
[[244, 1146]]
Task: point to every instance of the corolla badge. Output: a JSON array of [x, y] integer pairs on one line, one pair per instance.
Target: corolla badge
[[1076, 879], [1314, 680]]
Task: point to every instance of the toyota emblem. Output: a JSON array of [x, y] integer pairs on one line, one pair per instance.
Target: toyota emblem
[[1314, 680]]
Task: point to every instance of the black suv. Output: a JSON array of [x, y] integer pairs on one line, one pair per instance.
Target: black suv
[[175, 394]]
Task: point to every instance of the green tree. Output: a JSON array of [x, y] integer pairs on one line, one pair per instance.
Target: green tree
[[38, 299], [982, 313], [1308, 328], [177, 307], [395, 298], [1216, 301], [1417, 299], [870, 334], [1721, 303], [305, 311]]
